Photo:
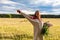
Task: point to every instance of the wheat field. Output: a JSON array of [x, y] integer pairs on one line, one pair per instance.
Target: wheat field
[[22, 29]]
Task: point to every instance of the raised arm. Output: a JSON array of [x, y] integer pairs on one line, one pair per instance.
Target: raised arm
[[25, 15]]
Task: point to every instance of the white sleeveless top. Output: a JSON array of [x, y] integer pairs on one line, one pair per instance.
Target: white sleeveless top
[[40, 23]]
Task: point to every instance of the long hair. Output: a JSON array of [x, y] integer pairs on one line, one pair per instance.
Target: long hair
[[35, 14]]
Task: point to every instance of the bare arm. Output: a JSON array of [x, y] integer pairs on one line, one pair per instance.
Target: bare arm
[[25, 15]]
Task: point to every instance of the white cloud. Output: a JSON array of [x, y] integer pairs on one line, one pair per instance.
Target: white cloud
[[8, 2], [4, 12], [45, 2], [38, 2], [11, 9], [42, 13], [56, 2], [50, 13], [56, 11], [8, 7], [28, 12]]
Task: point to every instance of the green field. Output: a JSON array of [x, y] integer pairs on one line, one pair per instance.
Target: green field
[[22, 29]]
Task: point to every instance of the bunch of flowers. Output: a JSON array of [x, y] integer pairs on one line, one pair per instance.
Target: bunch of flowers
[[46, 25]]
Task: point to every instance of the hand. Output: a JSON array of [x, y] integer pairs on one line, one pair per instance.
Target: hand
[[18, 11], [48, 24]]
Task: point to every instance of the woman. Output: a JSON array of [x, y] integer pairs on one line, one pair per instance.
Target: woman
[[37, 23]]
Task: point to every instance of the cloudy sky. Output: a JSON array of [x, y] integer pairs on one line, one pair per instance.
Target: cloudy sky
[[30, 6]]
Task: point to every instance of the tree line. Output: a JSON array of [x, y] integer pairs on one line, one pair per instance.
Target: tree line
[[20, 16]]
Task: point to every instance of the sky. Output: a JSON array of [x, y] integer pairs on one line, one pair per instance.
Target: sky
[[30, 6]]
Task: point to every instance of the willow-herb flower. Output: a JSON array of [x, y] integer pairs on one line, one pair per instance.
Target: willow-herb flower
[[44, 30]]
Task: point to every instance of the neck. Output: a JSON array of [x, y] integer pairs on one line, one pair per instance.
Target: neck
[[39, 18]]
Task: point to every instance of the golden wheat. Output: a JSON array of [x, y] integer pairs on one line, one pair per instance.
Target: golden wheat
[[12, 27]]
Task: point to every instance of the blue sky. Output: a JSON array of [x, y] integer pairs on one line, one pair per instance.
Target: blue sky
[[30, 6]]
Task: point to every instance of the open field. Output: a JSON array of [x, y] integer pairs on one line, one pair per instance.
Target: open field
[[22, 29]]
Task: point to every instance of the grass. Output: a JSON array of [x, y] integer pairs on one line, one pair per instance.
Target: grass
[[22, 29]]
